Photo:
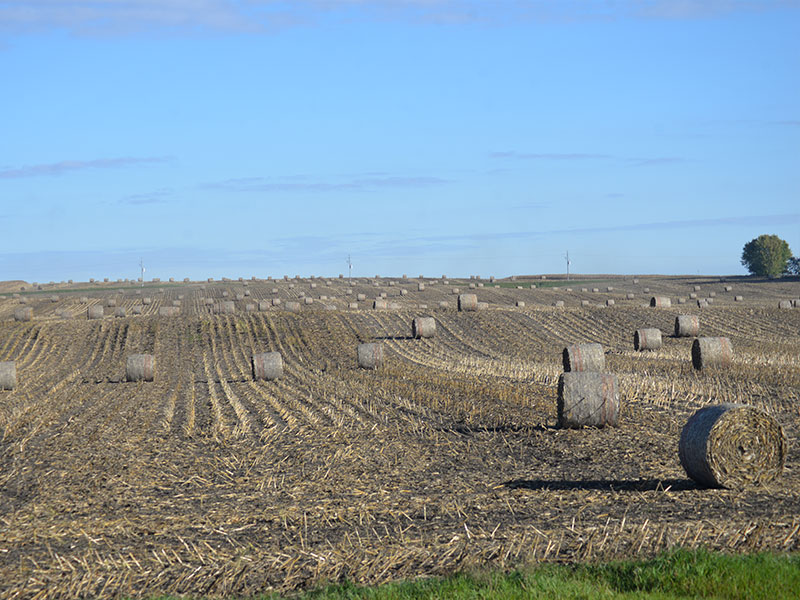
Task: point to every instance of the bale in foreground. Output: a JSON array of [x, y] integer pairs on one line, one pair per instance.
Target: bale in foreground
[[140, 367], [584, 357], [370, 356], [423, 327], [588, 399], [8, 375], [711, 352], [647, 339], [268, 365], [732, 446]]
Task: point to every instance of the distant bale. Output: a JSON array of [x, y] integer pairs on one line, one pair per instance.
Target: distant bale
[[95, 311], [292, 306], [711, 352], [120, 312], [588, 399], [8, 375], [140, 367], [267, 366], [584, 357], [169, 311], [660, 302], [785, 304], [423, 327], [467, 302], [687, 326], [23, 313], [732, 446], [370, 356], [647, 339]]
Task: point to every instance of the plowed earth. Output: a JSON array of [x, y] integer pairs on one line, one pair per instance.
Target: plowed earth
[[207, 482]]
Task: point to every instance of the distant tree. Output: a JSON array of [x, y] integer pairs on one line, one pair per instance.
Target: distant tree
[[766, 255], [793, 266]]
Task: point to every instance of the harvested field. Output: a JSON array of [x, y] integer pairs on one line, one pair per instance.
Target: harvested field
[[206, 481]]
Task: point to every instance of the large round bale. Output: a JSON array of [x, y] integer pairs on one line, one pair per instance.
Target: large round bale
[[584, 357], [169, 311], [267, 365], [227, 307], [140, 367], [95, 311], [24, 313], [732, 446], [423, 327], [687, 326], [370, 356], [467, 302], [292, 306], [711, 352], [8, 375], [647, 339], [660, 301], [588, 399]]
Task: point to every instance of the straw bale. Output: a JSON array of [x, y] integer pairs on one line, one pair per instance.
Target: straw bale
[[588, 399], [687, 326], [711, 352], [647, 339], [267, 365], [732, 446], [24, 313], [660, 301], [423, 327], [467, 302], [8, 375], [584, 357], [370, 356], [140, 367]]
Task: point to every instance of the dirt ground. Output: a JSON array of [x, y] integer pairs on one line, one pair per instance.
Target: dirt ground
[[447, 457]]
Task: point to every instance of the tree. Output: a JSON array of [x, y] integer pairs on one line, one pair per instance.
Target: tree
[[766, 255]]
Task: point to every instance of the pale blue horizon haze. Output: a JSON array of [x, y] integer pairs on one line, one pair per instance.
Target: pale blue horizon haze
[[262, 137]]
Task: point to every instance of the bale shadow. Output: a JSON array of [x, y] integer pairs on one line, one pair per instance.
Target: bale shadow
[[605, 485]]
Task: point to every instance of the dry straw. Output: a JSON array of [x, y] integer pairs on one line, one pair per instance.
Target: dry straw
[[711, 352], [423, 327], [647, 339], [8, 375], [370, 356], [267, 365], [687, 326], [588, 399], [140, 367], [584, 357], [732, 446]]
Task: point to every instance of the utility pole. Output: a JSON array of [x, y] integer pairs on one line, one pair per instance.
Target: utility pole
[[141, 266], [566, 256]]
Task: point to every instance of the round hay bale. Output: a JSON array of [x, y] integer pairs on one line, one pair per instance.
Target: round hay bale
[[584, 357], [23, 313], [687, 326], [265, 304], [120, 312], [660, 301], [785, 304], [738, 298], [732, 446], [588, 399], [169, 311], [292, 306], [647, 339], [140, 367], [711, 352], [520, 304], [111, 302], [8, 375], [267, 366], [423, 327], [467, 302], [227, 307], [370, 356]]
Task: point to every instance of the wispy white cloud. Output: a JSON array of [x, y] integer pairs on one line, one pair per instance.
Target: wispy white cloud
[[308, 184], [66, 166]]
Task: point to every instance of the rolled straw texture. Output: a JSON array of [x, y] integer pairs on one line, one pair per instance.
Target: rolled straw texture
[[8, 375], [647, 339], [687, 326], [267, 365], [711, 352], [733, 446], [370, 356], [588, 399], [423, 327], [140, 367], [584, 357]]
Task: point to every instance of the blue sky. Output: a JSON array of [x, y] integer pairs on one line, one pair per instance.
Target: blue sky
[[261, 137]]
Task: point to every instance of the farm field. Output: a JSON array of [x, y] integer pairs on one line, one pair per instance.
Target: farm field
[[205, 481]]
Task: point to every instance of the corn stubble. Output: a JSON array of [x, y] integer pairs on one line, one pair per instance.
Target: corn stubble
[[209, 482]]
